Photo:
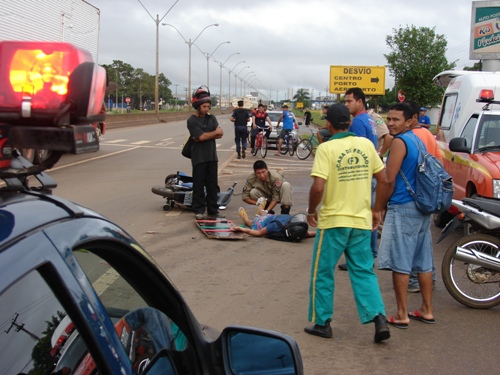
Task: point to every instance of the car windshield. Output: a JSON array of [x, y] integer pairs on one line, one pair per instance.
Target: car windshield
[[274, 116]]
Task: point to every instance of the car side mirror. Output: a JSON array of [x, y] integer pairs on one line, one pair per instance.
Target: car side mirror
[[459, 144], [249, 350]]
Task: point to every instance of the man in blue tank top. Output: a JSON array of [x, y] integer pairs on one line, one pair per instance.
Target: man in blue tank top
[[288, 123], [406, 241]]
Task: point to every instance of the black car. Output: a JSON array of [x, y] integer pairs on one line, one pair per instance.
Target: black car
[[59, 259]]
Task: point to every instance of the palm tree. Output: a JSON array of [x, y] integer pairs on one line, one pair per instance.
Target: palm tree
[[301, 96]]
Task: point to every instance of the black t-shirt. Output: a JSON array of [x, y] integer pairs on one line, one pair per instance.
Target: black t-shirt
[[207, 150], [240, 116]]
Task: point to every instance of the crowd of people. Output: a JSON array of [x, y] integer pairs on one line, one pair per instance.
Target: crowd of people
[[356, 184]]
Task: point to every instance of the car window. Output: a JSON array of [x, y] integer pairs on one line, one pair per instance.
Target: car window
[[127, 308], [274, 116], [469, 130], [35, 335], [447, 112], [489, 134]]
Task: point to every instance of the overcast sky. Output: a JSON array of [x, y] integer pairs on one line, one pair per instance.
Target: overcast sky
[[287, 44]]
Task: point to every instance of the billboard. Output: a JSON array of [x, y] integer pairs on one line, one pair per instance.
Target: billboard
[[370, 79], [485, 30]]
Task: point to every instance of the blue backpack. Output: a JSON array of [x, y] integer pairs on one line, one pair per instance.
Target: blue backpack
[[433, 185]]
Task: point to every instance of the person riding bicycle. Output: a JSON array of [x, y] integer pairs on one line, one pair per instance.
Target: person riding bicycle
[[288, 124], [259, 118]]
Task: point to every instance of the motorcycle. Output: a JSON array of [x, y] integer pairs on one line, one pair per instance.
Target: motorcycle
[[178, 191], [471, 265]]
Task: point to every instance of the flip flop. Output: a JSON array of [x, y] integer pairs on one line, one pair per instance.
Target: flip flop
[[393, 323], [417, 316]]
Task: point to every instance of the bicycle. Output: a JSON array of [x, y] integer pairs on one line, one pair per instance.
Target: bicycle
[[307, 145], [288, 144], [260, 143]]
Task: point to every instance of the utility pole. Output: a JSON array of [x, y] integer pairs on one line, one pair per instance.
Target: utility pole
[[176, 95], [20, 327]]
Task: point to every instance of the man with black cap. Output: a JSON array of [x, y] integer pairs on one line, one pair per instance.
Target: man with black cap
[[342, 171], [240, 117]]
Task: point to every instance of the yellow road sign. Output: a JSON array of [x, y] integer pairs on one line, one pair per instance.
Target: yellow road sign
[[370, 79]]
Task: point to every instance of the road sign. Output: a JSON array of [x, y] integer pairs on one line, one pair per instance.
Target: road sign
[[127, 99], [370, 79]]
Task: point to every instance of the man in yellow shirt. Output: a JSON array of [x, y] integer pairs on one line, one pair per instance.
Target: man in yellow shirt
[[342, 171]]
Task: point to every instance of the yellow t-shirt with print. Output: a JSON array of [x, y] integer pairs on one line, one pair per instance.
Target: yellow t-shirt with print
[[347, 163]]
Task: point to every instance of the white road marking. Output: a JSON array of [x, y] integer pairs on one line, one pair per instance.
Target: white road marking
[[105, 281], [117, 141], [140, 142]]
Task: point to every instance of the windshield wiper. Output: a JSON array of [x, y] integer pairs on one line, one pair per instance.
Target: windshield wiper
[[488, 148]]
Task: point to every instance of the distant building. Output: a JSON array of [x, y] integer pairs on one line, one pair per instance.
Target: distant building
[[72, 21]]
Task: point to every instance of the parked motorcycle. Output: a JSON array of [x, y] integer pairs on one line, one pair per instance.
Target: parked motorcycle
[[178, 191], [471, 265]]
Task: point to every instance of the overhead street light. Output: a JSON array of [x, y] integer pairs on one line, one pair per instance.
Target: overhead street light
[[157, 21], [189, 43], [236, 79], [241, 82], [208, 56], [221, 64], [229, 83]]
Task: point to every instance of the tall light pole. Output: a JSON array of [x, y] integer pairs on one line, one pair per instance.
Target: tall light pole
[[229, 83], [189, 43], [241, 82], [221, 64], [157, 21], [236, 78], [176, 95], [208, 56], [247, 81]]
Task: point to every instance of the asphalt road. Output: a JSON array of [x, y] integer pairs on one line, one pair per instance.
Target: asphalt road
[[261, 282]]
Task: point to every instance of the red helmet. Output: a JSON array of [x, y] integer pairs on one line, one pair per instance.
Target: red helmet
[[201, 95]]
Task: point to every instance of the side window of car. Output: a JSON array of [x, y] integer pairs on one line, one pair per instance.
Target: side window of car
[[36, 334], [469, 130], [448, 112], [143, 330]]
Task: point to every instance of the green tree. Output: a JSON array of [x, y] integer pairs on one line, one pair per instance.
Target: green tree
[[302, 96], [478, 66], [418, 54], [42, 360]]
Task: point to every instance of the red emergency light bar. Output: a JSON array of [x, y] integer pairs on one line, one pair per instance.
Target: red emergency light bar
[[486, 95], [41, 80]]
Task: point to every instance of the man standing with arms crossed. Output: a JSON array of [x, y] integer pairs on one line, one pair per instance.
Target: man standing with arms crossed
[[343, 170]]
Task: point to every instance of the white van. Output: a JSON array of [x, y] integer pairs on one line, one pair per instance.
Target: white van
[[468, 133]]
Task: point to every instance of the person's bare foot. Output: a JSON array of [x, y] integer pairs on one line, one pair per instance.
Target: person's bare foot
[[261, 207], [243, 214]]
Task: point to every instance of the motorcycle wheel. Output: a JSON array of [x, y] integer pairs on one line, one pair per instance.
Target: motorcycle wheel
[[263, 147], [472, 285]]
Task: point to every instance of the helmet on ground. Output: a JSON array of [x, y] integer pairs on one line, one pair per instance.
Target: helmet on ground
[[296, 228], [200, 95]]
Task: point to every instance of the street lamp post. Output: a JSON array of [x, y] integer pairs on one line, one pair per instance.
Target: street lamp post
[[241, 82], [157, 21], [236, 78], [247, 82], [176, 95], [189, 43], [208, 55], [229, 83], [221, 64]]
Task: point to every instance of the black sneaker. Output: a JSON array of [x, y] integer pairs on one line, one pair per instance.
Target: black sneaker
[[243, 153], [239, 156], [324, 331], [381, 328]]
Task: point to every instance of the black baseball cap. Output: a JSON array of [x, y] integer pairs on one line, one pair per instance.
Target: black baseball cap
[[338, 114]]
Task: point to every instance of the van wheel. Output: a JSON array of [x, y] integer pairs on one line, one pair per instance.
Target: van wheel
[[441, 219]]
